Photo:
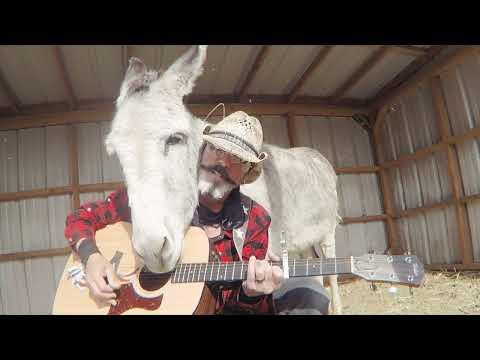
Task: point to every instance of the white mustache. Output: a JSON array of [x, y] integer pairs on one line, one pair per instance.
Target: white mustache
[[217, 191]]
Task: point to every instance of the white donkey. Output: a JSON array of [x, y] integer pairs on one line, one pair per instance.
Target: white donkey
[[158, 140]]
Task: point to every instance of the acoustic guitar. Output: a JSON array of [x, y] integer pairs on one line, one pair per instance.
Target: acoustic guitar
[[183, 291]]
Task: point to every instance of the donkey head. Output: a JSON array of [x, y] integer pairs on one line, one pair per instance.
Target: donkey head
[[157, 141]]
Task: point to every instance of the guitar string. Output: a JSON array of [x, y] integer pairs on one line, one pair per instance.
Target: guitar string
[[311, 263], [228, 269]]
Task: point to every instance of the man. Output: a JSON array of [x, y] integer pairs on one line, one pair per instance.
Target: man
[[230, 156]]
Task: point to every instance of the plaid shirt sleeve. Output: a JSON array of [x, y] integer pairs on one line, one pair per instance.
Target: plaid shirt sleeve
[[256, 244], [93, 216]]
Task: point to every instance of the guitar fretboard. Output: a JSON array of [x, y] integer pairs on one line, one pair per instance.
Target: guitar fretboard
[[233, 271]]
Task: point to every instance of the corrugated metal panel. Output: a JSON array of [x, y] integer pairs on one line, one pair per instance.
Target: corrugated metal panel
[[338, 66], [419, 116], [112, 170], [14, 288], [95, 165], [379, 76], [33, 224], [58, 209], [238, 61], [282, 68], [359, 239], [275, 130], [211, 71], [473, 215], [458, 112], [89, 197], [226, 65], [461, 86], [443, 236], [33, 81], [469, 71], [433, 236], [419, 237], [320, 137], [34, 217], [8, 161], [31, 155], [57, 156], [89, 140], [411, 125], [96, 71], [469, 158]]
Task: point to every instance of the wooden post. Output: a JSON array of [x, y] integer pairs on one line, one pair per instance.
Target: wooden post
[[74, 178], [386, 191], [453, 172], [291, 130]]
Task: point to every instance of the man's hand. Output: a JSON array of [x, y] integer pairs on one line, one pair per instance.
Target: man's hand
[[262, 278], [96, 270]]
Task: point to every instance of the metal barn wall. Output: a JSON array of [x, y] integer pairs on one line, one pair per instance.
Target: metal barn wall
[[39, 158], [36, 159], [410, 125], [461, 86]]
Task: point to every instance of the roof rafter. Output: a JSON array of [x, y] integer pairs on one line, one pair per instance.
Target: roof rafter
[[307, 74], [409, 50], [11, 95], [126, 55], [360, 73], [60, 62], [408, 71], [257, 64], [432, 68]]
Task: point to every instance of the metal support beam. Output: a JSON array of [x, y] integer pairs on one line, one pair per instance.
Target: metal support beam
[[307, 74], [257, 64], [67, 84]]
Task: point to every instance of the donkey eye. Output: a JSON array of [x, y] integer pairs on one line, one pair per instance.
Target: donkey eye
[[175, 139]]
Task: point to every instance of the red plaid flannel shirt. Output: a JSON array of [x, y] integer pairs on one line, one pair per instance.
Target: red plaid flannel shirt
[[93, 216]]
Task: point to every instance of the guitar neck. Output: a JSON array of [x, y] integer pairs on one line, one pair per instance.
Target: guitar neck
[[234, 271]]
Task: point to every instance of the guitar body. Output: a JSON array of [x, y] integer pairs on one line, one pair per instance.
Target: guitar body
[[139, 295]]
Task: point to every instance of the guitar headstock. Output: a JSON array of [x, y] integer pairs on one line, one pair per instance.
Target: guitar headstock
[[404, 269]]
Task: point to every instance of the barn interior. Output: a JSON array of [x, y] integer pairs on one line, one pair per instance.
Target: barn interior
[[399, 123]]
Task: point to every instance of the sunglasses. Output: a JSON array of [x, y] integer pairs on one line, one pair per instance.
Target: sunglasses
[[219, 153]]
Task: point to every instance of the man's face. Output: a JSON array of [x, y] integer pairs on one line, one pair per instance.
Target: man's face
[[220, 172]]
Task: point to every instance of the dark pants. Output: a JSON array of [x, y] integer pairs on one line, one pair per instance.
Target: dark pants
[[301, 296]]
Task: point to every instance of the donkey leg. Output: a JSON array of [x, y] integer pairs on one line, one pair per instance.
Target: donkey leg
[[328, 249]]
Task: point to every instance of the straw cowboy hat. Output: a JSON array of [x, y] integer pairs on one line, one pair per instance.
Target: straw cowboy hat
[[241, 135]]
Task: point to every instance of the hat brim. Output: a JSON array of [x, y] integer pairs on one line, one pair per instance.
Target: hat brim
[[235, 149]]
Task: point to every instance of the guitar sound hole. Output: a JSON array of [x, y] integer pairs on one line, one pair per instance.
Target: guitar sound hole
[[152, 281]]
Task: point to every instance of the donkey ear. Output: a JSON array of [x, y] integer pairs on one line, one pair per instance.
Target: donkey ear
[[133, 79], [183, 73]]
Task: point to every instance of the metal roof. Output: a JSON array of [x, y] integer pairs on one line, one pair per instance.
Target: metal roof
[[42, 74]]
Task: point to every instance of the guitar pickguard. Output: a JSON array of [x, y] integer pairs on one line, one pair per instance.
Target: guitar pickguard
[[127, 299]]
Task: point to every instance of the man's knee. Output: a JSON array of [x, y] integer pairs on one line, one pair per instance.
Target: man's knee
[[301, 297]]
